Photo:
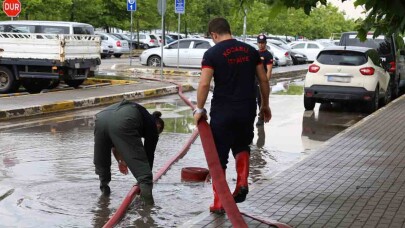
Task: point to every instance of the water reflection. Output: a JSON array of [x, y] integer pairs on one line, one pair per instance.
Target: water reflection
[[318, 127], [177, 115], [261, 137], [102, 212]]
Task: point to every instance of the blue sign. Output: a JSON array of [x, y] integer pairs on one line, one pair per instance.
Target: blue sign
[[131, 5], [179, 6]]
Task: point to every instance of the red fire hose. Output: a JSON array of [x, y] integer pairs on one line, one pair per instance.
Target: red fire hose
[[216, 172]]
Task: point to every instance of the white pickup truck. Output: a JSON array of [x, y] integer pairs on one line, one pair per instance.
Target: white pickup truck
[[39, 61]]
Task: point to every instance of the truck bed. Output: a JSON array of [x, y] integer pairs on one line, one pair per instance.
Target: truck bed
[[53, 47]]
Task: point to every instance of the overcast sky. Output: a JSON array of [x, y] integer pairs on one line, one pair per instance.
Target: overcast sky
[[348, 8]]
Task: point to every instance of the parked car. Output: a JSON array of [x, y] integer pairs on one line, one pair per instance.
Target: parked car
[[168, 39], [132, 43], [297, 57], [347, 74], [176, 36], [310, 48], [283, 55], [147, 41], [388, 48], [106, 49], [254, 44], [120, 46], [191, 51]]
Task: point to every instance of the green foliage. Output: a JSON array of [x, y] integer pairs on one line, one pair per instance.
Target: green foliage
[[270, 16], [384, 16]]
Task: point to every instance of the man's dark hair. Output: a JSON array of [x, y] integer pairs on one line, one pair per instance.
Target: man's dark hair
[[157, 115], [219, 25]]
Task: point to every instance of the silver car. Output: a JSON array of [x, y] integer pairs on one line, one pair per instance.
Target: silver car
[[191, 52], [106, 50], [120, 46]]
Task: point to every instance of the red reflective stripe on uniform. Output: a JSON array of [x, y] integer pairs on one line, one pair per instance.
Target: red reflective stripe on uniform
[[209, 67]]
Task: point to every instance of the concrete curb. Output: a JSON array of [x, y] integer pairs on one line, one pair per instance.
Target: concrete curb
[[89, 102], [194, 73]]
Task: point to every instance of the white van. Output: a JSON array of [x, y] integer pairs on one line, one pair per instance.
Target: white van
[[48, 27]]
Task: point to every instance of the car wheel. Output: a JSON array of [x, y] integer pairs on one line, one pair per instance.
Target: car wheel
[[309, 103], [35, 85], [395, 88], [145, 46], [154, 61], [8, 83], [74, 83], [117, 55], [372, 106], [294, 60], [53, 83], [388, 95]]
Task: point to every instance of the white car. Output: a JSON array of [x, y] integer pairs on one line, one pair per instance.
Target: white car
[[310, 48], [191, 52], [120, 46], [146, 41], [347, 74]]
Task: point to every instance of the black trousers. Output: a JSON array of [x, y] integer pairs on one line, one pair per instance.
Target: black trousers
[[232, 127], [120, 125]]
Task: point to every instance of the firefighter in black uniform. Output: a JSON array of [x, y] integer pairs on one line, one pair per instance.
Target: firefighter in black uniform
[[233, 65], [267, 60], [120, 128]]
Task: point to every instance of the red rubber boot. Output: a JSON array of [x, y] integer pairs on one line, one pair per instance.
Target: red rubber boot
[[242, 169], [217, 207]]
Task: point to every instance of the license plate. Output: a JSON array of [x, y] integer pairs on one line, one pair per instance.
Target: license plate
[[338, 79]]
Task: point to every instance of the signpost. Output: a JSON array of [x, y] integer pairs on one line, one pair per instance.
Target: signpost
[[179, 7], [131, 6], [12, 8], [162, 10]]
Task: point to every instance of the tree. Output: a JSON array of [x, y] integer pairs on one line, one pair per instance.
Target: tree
[[383, 16]]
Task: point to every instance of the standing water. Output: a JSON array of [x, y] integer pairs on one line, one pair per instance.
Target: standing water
[[47, 174]]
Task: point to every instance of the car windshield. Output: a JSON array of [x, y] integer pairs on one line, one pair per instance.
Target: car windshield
[[346, 58], [380, 43], [273, 46]]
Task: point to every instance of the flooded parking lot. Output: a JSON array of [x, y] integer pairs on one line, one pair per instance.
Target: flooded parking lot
[[47, 174]]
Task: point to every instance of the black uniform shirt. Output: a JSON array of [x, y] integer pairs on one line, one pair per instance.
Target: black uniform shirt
[[266, 57], [234, 64]]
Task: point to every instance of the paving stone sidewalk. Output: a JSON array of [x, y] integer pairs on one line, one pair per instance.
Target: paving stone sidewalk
[[357, 179]]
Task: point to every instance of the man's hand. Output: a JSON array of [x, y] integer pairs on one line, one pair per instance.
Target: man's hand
[[198, 115], [265, 113], [122, 166]]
